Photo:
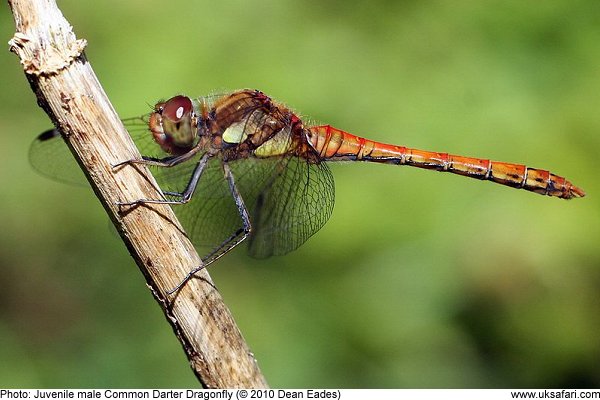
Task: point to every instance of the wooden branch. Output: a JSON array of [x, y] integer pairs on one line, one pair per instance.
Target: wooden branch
[[67, 89]]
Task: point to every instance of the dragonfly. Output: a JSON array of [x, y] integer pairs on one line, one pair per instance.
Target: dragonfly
[[244, 167]]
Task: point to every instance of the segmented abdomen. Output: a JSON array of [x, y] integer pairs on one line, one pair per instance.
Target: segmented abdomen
[[334, 144]]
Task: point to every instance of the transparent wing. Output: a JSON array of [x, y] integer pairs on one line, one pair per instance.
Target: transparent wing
[[50, 157], [294, 202], [288, 199]]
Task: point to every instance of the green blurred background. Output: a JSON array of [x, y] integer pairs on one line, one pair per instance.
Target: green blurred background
[[419, 279]]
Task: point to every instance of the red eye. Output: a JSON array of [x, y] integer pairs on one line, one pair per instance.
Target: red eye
[[177, 107]]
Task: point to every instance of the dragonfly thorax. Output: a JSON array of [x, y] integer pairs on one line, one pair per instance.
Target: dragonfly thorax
[[173, 125]]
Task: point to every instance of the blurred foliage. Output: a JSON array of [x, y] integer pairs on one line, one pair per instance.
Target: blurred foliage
[[419, 279]]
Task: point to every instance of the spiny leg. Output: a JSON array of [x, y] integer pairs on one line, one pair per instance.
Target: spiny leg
[[167, 162]]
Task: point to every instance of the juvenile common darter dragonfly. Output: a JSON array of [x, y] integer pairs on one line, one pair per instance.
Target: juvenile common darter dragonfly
[[249, 169]]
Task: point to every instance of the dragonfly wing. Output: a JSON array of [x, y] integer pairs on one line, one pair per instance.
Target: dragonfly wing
[[50, 156], [289, 200]]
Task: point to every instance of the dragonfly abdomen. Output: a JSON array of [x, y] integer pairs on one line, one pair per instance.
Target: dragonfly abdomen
[[515, 175], [334, 144]]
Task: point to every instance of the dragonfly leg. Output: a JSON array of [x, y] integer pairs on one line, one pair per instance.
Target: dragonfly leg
[[166, 162], [238, 237], [184, 196], [239, 202]]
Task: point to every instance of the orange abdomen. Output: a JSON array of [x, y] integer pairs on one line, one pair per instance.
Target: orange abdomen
[[334, 144]]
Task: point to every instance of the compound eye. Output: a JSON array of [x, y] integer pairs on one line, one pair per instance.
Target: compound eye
[[176, 108]]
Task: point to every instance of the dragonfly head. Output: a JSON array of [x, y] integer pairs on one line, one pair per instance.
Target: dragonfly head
[[173, 125]]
